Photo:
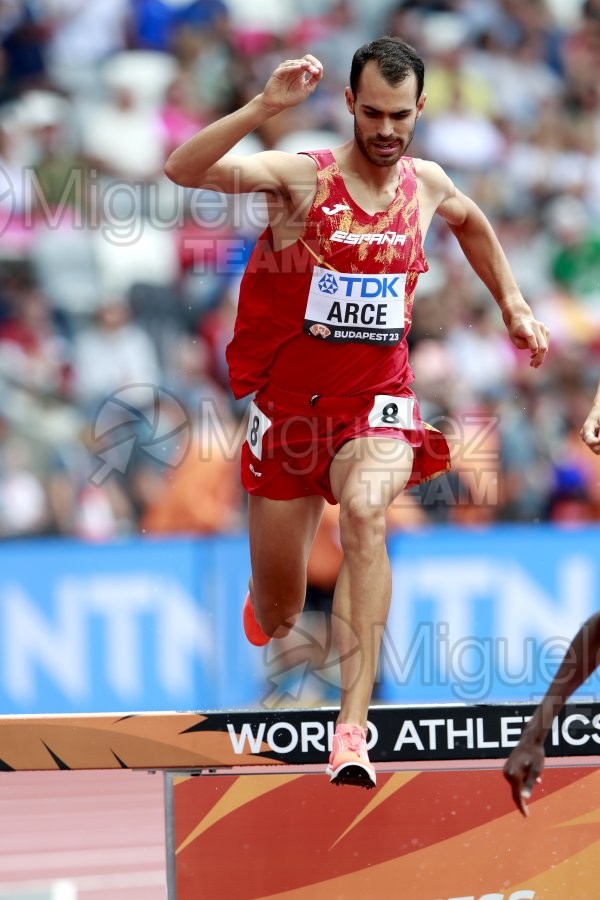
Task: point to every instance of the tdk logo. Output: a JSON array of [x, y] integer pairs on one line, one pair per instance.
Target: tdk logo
[[328, 285], [361, 286]]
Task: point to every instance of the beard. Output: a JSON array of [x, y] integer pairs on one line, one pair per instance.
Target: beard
[[370, 152]]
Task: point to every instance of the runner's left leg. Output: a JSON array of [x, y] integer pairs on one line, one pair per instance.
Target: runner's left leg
[[366, 475]]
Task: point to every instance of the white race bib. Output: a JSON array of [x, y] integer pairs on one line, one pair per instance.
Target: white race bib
[[365, 309]]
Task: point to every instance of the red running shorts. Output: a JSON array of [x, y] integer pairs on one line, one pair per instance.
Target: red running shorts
[[292, 439]]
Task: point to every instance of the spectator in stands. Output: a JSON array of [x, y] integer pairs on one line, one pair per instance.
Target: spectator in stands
[[24, 509], [157, 22], [112, 353], [215, 53]]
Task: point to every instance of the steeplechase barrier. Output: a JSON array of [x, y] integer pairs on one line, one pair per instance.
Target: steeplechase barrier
[[249, 812]]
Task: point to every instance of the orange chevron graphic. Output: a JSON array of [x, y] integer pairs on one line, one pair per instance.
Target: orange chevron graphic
[[576, 877], [591, 818], [104, 741], [429, 835], [395, 783]]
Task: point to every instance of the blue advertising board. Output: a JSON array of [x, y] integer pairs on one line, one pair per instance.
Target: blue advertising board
[[486, 614], [148, 624], [132, 625]]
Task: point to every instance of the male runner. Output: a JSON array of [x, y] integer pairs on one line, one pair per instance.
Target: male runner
[[320, 339], [523, 768]]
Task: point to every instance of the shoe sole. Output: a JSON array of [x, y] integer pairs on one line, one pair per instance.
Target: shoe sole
[[352, 773]]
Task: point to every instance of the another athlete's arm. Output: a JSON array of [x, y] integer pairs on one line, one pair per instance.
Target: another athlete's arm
[[484, 252], [590, 431], [205, 161], [524, 766]]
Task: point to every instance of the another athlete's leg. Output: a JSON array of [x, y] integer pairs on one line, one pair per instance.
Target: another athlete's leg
[[366, 476], [281, 535]]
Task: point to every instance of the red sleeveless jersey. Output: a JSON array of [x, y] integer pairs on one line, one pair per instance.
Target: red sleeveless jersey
[[330, 314]]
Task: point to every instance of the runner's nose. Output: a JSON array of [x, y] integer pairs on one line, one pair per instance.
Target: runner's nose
[[386, 132]]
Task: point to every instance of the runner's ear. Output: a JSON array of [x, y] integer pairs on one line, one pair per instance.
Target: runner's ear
[[349, 100]]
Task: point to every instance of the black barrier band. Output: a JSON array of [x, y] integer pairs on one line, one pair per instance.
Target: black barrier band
[[406, 734]]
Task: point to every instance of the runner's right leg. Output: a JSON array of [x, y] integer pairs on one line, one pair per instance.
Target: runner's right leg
[[281, 534]]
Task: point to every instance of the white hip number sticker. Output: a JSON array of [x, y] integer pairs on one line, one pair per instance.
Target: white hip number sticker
[[392, 412], [258, 425]]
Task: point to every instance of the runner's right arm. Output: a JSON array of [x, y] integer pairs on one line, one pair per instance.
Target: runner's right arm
[[205, 161]]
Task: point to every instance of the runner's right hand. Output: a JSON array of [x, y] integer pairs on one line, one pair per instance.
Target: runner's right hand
[[292, 82]]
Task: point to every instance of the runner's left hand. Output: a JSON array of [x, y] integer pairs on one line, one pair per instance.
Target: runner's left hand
[[527, 333]]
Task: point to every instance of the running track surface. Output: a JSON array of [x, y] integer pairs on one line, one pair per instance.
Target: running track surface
[[101, 832]]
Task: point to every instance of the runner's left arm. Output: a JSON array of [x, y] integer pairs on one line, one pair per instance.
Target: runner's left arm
[[484, 253]]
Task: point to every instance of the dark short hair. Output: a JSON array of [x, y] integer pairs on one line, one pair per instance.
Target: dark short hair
[[395, 60]]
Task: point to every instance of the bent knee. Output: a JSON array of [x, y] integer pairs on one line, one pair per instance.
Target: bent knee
[[361, 523], [277, 613]]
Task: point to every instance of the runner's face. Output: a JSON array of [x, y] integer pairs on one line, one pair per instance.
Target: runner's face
[[385, 115]]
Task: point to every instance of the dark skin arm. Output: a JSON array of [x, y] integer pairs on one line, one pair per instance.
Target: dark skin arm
[[523, 768], [590, 433]]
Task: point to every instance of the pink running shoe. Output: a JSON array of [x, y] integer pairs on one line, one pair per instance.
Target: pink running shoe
[[252, 629], [349, 760]]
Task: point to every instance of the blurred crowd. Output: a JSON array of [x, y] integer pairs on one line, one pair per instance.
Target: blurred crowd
[[118, 290]]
